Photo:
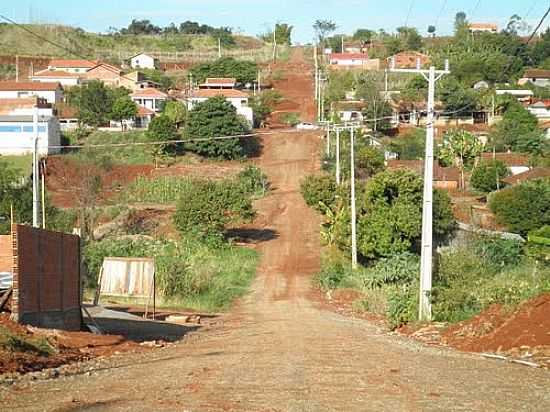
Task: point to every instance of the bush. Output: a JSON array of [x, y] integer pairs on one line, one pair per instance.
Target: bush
[[319, 190], [209, 206], [398, 269], [253, 181], [523, 207], [243, 71], [215, 118], [499, 252], [163, 129], [402, 304], [487, 174]]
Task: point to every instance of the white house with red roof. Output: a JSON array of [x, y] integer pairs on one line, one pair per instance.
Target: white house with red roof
[[237, 98], [66, 79], [71, 66], [541, 109], [150, 98], [50, 91], [483, 28]]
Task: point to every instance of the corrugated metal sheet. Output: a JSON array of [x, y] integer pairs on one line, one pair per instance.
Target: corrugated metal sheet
[[127, 277]]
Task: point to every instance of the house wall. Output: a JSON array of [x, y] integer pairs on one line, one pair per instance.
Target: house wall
[[540, 112], [50, 96], [142, 61], [109, 77], [16, 138], [446, 184], [6, 254], [46, 278], [65, 81]]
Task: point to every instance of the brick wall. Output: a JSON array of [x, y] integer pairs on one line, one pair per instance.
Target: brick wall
[[46, 278], [6, 254]]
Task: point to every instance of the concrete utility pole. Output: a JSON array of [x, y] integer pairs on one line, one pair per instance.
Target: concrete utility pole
[[316, 71], [353, 208], [338, 156], [219, 47], [328, 139], [275, 42], [35, 173], [432, 76]]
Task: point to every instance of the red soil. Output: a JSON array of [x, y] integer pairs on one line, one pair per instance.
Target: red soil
[[494, 330]]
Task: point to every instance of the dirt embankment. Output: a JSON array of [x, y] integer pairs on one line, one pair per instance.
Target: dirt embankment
[[495, 330], [25, 349]]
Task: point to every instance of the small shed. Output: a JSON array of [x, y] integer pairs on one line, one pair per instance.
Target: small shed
[[144, 61]]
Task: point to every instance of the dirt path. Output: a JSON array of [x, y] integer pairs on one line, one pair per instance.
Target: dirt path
[[278, 351]]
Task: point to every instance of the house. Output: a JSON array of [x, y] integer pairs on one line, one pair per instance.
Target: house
[[17, 134], [350, 111], [541, 109], [447, 178], [537, 77], [152, 99], [219, 83], [136, 80], [67, 116], [517, 163], [66, 79], [353, 60], [523, 95], [536, 173], [143, 117], [545, 126], [409, 60], [144, 61], [482, 28], [108, 74], [238, 99], [71, 66], [49, 91], [25, 106], [355, 47]]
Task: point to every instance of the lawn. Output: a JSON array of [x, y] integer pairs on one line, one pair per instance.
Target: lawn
[[21, 163]]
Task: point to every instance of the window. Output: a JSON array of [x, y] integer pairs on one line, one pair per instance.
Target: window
[[10, 129]]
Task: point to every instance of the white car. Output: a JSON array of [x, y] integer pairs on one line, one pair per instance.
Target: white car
[[306, 126]]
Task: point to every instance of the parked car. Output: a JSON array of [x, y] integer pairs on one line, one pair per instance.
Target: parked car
[[306, 126]]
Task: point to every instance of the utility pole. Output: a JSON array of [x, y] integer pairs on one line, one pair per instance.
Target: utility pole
[[259, 81], [338, 156], [353, 208], [328, 139], [35, 173], [316, 71], [219, 47], [432, 76], [275, 42], [17, 68]]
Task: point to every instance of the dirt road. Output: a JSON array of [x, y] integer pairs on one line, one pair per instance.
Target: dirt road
[[278, 351]]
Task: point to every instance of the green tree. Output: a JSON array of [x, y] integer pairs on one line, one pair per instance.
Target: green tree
[[488, 176], [460, 148], [524, 207], [431, 30], [163, 129], [124, 108], [94, 102], [176, 112], [263, 104], [283, 34], [369, 161], [364, 35], [369, 87], [209, 206], [322, 29], [457, 98], [215, 117], [243, 71], [516, 123], [410, 38], [411, 146]]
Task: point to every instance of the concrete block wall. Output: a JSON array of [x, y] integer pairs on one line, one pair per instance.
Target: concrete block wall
[[46, 283]]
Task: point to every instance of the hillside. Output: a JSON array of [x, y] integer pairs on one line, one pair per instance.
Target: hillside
[[109, 46]]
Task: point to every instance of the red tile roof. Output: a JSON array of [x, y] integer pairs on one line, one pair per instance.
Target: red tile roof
[[509, 159], [8, 105], [80, 64], [144, 111], [149, 92], [64, 111], [208, 93], [444, 174], [221, 80], [536, 74], [536, 173], [106, 66], [29, 86], [56, 74], [481, 26]]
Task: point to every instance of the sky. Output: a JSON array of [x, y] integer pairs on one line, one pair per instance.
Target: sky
[[256, 16]]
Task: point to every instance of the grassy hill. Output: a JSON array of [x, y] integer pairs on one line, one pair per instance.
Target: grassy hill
[[94, 45]]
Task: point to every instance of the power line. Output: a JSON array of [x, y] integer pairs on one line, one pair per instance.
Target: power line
[[409, 13], [538, 26], [535, 2], [441, 12], [474, 10]]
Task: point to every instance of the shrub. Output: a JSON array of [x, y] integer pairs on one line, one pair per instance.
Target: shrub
[[163, 129], [253, 181], [290, 119], [319, 190], [499, 252], [209, 206], [487, 174], [402, 304], [523, 207], [398, 269]]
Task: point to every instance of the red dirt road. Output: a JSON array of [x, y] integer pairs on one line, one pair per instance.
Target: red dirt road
[[279, 351]]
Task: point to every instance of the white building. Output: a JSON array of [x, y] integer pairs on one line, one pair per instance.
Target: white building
[[152, 99], [483, 28], [349, 59], [541, 109], [17, 135], [66, 79], [537, 77], [25, 106], [219, 83], [71, 66], [144, 61], [238, 99], [523, 95], [51, 92]]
